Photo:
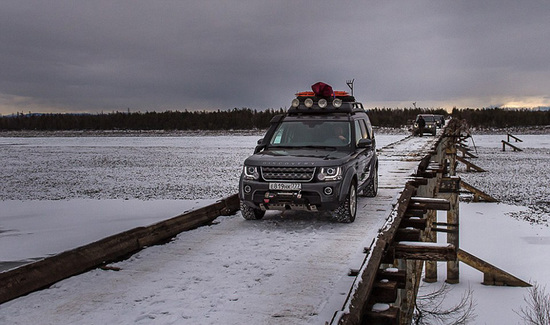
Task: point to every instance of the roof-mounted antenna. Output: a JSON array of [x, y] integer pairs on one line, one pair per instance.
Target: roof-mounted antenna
[[350, 85]]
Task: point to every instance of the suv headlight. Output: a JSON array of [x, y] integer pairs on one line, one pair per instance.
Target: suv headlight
[[330, 174], [251, 172]]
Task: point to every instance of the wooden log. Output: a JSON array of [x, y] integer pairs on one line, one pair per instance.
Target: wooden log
[[384, 291], [492, 275], [414, 222], [429, 203], [386, 317], [408, 234], [393, 274], [425, 251], [415, 213]]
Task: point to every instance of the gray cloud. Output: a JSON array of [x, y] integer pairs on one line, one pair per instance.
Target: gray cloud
[[144, 55]]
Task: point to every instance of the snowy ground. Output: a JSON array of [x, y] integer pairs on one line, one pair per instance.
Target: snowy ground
[[123, 180]]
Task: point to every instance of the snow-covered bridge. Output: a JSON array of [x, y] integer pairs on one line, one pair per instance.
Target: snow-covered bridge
[[285, 269]]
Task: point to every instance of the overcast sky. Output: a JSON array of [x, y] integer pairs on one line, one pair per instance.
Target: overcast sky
[[93, 56]]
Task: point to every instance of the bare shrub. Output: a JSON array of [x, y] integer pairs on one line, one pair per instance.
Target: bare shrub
[[537, 311], [429, 308]]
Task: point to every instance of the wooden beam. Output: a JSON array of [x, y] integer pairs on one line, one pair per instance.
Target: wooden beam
[[429, 203], [470, 165], [492, 275], [384, 291], [386, 317], [478, 194], [513, 137], [393, 274], [505, 143], [425, 251]]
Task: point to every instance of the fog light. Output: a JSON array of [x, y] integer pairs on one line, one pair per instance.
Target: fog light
[[247, 189], [337, 103], [308, 102], [295, 102], [327, 190], [322, 103]]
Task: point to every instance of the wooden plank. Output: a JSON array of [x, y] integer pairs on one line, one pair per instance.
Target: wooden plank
[[492, 274]]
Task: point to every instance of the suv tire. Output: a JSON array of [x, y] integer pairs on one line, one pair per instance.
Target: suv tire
[[346, 212], [371, 190], [250, 213]]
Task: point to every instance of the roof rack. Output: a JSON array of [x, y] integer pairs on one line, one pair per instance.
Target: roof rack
[[306, 102]]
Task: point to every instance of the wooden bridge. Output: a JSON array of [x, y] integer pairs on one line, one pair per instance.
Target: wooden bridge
[[417, 179]]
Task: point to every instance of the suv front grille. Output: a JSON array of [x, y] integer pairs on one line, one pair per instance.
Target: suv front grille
[[297, 174]]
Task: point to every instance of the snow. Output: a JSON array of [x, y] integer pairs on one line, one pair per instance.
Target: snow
[[59, 193]]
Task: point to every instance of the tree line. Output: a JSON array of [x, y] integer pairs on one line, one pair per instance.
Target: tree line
[[247, 119]]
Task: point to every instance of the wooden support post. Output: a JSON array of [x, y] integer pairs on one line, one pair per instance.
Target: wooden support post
[[431, 236], [452, 239], [492, 275]]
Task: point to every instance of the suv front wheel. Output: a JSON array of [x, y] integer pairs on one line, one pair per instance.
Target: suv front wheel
[[250, 213], [346, 212]]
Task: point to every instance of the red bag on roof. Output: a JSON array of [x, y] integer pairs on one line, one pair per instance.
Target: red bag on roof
[[321, 89]]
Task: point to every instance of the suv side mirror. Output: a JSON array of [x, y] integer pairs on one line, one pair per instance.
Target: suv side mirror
[[364, 143]]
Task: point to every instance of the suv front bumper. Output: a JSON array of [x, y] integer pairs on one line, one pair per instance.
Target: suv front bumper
[[321, 196]]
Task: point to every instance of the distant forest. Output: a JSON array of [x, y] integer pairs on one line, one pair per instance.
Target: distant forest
[[247, 119]]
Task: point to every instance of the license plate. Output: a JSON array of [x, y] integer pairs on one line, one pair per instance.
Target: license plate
[[285, 186]]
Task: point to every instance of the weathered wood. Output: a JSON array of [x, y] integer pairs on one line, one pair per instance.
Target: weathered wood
[[384, 291], [513, 137], [425, 251], [492, 275], [414, 222], [506, 143], [38, 275], [414, 213], [469, 165], [429, 203], [398, 276], [359, 298], [387, 317], [408, 234], [466, 152], [478, 194]]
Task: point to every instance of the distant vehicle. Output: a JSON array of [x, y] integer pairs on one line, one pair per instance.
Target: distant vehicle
[[425, 123], [315, 158], [439, 120]]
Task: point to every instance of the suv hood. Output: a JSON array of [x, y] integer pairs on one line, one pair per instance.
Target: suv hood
[[299, 157]]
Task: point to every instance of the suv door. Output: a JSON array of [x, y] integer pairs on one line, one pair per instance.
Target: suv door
[[366, 154]]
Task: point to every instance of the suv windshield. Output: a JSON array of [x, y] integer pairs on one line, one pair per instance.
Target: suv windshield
[[312, 134]]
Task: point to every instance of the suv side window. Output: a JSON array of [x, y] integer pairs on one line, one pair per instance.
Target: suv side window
[[358, 132], [369, 128], [363, 129]]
